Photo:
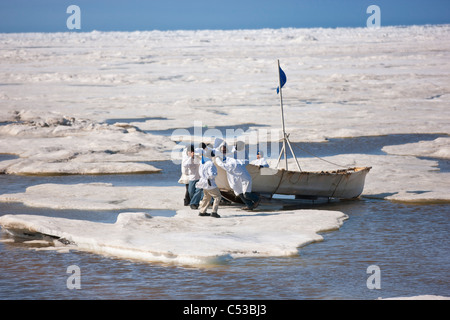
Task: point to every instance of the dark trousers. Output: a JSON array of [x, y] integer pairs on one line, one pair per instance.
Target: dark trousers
[[187, 197], [250, 199], [195, 193]]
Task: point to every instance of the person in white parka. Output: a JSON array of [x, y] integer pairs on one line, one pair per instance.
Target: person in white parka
[[191, 164], [260, 160], [238, 178], [208, 173]]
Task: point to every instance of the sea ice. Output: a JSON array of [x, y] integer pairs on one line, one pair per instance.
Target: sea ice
[[98, 196], [341, 82], [392, 177], [346, 82], [58, 89], [186, 238], [58, 145], [438, 148]]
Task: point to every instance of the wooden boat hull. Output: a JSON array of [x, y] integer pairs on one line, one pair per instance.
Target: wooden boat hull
[[341, 184]]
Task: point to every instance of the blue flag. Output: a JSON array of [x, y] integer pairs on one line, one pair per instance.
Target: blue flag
[[282, 80]]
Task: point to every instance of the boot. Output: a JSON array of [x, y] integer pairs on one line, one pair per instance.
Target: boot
[[204, 214], [248, 203]]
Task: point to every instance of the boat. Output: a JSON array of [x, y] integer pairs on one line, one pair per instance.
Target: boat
[[347, 183], [339, 184]]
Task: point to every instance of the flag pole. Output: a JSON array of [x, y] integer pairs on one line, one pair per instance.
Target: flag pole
[[285, 136], [282, 117]]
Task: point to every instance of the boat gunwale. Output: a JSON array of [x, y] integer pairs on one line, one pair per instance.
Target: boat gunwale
[[338, 171]]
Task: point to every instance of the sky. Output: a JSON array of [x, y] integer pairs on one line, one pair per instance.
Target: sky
[[141, 15]]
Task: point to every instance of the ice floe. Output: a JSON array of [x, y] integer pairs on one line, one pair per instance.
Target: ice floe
[[186, 238], [392, 177], [98, 196], [438, 148], [56, 144]]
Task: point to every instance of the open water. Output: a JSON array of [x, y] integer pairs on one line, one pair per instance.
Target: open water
[[407, 242]]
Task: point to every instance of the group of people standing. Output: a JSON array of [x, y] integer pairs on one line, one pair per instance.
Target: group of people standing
[[199, 168]]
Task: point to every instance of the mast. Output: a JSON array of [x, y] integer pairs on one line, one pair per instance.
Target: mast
[[283, 150], [285, 136]]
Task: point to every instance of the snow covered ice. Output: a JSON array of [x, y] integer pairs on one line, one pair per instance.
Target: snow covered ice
[[182, 239], [58, 91], [186, 238], [57, 145]]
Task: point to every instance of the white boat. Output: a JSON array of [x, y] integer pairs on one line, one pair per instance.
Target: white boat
[[345, 183], [341, 184]]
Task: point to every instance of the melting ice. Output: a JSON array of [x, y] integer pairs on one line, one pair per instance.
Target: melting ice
[[59, 90], [186, 238]]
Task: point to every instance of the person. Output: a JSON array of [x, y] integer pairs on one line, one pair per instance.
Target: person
[[184, 179], [208, 172], [260, 161], [238, 178], [202, 148], [191, 166]]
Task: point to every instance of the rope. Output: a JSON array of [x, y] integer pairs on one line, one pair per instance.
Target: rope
[[312, 154], [337, 186], [279, 182]]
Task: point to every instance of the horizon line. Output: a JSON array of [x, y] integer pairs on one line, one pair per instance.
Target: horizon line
[[231, 29]]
